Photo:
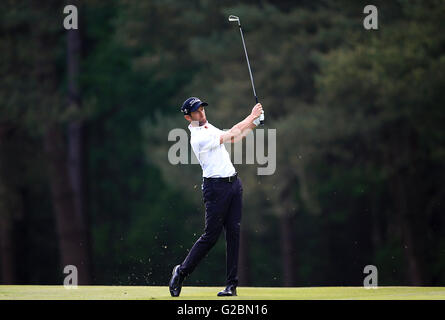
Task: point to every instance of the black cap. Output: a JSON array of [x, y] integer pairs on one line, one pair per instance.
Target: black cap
[[192, 104]]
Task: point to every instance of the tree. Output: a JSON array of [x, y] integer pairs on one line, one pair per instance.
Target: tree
[[389, 86], [32, 101]]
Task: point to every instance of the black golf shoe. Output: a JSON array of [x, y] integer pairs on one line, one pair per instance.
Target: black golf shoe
[[228, 291], [175, 284]]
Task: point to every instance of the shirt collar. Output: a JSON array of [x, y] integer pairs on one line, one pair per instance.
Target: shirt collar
[[199, 127]]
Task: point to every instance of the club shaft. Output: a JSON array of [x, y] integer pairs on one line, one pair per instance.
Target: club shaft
[[248, 64]]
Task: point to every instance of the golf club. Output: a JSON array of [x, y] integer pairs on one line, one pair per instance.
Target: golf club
[[233, 18]]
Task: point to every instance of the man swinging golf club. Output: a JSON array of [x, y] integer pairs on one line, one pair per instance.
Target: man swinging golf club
[[221, 188]]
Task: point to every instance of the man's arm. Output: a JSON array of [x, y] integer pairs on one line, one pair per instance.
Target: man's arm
[[241, 129]]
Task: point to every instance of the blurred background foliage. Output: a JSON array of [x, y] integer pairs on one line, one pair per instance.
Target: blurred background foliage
[[85, 116]]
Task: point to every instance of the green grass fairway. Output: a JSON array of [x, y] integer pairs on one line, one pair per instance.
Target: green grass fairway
[[208, 293]]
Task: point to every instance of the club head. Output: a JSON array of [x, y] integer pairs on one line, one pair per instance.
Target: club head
[[234, 18]]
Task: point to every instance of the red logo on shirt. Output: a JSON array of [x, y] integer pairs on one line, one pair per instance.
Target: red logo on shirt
[[206, 127]]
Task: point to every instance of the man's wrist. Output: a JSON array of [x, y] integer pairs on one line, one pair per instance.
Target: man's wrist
[[255, 121]]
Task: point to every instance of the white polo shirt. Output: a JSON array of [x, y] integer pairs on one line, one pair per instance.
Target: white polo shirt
[[212, 156]]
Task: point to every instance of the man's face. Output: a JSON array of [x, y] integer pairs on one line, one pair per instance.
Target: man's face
[[198, 115]]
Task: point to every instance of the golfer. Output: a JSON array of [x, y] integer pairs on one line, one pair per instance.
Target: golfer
[[221, 189]]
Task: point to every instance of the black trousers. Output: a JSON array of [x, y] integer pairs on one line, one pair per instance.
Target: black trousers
[[223, 208]]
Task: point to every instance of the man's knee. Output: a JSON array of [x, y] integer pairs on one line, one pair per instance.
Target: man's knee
[[210, 237]]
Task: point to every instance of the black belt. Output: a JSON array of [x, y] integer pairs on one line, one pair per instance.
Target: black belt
[[226, 179]]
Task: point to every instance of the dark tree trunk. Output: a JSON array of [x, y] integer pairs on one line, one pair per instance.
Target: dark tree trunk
[[287, 243], [287, 248], [408, 242], [77, 176], [6, 249], [72, 244], [408, 215], [7, 265], [286, 229], [76, 145]]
